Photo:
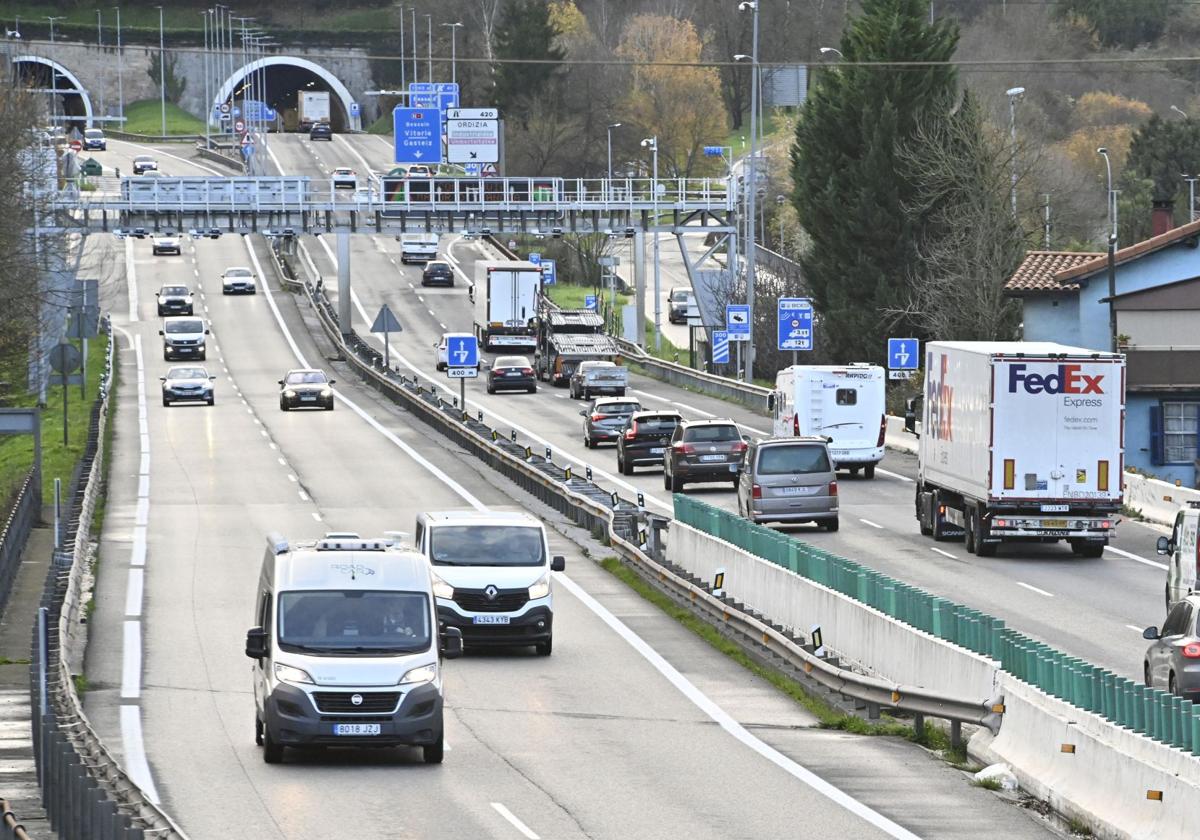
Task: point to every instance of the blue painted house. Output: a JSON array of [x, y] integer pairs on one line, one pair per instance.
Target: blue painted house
[[1157, 304]]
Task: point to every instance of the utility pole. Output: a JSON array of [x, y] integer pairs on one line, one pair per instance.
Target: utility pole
[[208, 106], [53, 81], [429, 26], [162, 73], [120, 71], [414, 34], [751, 186], [1046, 196], [100, 45]]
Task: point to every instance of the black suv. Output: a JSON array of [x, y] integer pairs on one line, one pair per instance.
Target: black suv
[[703, 450], [174, 300], [645, 438], [321, 131], [439, 272]]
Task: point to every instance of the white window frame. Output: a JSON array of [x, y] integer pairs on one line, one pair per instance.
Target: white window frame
[[1177, 411]]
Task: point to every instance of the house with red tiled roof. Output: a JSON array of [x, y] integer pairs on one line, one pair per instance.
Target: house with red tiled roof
[[1065, 297]]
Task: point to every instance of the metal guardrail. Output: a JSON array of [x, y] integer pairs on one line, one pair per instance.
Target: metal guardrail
[[753, 397], [625, 523], [86, 792], [16, 530]]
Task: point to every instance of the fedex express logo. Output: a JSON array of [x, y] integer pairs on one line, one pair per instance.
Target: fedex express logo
[[939, 397], [1069, 380]]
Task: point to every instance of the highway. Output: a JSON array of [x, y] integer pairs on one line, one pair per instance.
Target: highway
[[1094, 609], [634, 728]]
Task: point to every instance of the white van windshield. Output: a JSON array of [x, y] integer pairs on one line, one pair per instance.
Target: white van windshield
[[353, 621], [487, 545], [185, 326]]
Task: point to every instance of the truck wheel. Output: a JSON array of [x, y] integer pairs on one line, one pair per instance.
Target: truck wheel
[[869, 471], [935, 520], [970, 540], [922, 513]]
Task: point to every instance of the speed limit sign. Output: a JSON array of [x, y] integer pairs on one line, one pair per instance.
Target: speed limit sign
[[239, 126]]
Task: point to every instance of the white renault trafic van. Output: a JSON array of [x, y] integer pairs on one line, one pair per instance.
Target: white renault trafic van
[[346, 647], [491, 575], [1183, 549]]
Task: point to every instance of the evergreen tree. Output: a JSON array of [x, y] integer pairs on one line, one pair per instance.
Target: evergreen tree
[[853, 193], [525, 33], [1119, 23]]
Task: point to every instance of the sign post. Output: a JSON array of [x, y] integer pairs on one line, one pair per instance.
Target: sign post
[[64, 359], [795, 321], [462, 363], [385, 322]]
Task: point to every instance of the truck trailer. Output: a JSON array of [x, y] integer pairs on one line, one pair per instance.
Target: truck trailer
[[1021, 442], [506, 294], [567, 337], [314, 108]]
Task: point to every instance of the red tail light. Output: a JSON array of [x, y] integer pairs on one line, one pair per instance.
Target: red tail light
[[1192, 651], [833, 488], [631, 432], [882, 430], [739, 447], [756, 490], [527, 371], [796, 424], [684, 449], [597, 417]]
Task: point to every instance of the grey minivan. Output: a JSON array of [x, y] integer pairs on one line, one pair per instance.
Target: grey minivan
[[789, 480]]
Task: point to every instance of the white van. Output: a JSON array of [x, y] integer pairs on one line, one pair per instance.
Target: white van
[[346, 647], [844, 403], [183, 338], [491, 576], [1183, 549], [418, 247]]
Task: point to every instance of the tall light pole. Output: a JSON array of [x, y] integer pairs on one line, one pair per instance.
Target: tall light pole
[[403, 83], [120, 71], [53, 81], [100, 45], [453, 50], [651, 143], [162, 73], [429, 49], [608, 191], [208, 106], [779, 200], [1013, 95], [752, 181], [1112, 217], [414, 34]]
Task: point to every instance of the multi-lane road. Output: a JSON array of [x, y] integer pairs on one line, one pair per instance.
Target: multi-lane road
[[633, 728]]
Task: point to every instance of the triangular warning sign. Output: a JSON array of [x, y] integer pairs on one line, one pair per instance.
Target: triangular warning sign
[[385, 321]]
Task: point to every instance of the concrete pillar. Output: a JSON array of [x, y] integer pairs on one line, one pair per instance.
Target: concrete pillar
[[343, 255]]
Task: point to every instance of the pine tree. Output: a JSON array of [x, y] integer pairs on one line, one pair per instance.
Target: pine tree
[[852, 193], [525, 33]]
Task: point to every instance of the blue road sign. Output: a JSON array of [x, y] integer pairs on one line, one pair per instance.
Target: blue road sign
[[795, 324], [737, 321], [418, 135], [549, 272], [446, 87], [462, 351], [473, 169], [903, 354], [535, 257], [247, 150], [428, 99], [720, 347], [589, 302], [354, 109], [422, 87], [446, 100]]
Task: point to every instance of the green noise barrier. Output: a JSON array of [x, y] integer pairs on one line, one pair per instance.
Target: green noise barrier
[[1148, 711]]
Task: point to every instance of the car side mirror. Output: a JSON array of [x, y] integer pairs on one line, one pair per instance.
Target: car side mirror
[[212, 379], [332, 381], [558, 563], [160, 332], [1163, 546], [745, 438], [256, 643], [164, 379], [158, 294], [583, 413], [771, 402], [206, 332], [451, 643], [280, 381], [1151, 633]]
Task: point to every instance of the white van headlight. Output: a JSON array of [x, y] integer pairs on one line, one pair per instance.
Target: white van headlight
[[441, 589], [540, 589], [288, 674], [424, 674]]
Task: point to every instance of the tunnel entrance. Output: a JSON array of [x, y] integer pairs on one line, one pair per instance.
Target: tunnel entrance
[[279, 81], [66, 100]]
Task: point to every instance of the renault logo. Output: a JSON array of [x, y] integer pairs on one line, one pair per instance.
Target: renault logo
[[491, 592], [356, 699]]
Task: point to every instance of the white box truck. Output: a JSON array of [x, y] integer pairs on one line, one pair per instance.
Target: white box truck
[[1021, 441], [506, 295], [418, 247], [314, 108], [845, 403]]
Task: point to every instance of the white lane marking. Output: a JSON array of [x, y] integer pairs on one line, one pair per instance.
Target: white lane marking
[[316, 516], [395, 353], [303, 496], [282, 462], [135, 752], [869, 522], [944, 553], [728, 723], [1035, 589], [891, 474], [131, 280], [133, 593], [1135, 629], [291, 477], [437, 473], [1136, 559], [430, 311], [131, 661], [514, 822], [443, 326]]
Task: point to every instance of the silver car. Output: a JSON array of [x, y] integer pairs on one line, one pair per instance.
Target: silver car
[[605, 420], [789, 480], [1173, 661], [187, 383]]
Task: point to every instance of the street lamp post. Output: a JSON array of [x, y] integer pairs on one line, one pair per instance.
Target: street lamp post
[[162, 73], [832, 51], [120, 72], [779, 200], [1013, 95], [414, 34], [453, 50], [403, 83], [651, 143], [208, 109], [429, 52], [100, 45], [1176, 109], [53, 81], [608, 190], [1112, 216], [752, 183]]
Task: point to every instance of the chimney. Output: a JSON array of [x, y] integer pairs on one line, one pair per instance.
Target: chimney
[[1162, 217]]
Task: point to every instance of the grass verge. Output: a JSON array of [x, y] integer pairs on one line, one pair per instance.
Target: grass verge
[[145, 117]]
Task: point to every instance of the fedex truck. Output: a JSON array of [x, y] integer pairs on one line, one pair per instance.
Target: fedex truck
[[506, 294], [1021, 441]]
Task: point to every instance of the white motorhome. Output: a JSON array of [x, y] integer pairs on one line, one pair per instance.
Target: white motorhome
[[418, 247], [346, 647], [844, 403]]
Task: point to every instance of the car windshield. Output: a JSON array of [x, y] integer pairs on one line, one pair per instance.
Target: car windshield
[[487, 545], [187, 373], [437, 266], [711, 434], [341, 621], [306, 377], [511, 362], [175, 291], [238, 272], [93, 132], [618, 407], [661, 424], [188, 326], [785, 460], [343, 172], [143, 159], [679, 296]]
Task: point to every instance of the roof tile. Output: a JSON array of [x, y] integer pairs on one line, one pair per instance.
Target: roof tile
[[1037, 272]]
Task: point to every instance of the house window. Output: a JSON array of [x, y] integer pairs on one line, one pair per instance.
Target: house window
[[1179, 431]]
